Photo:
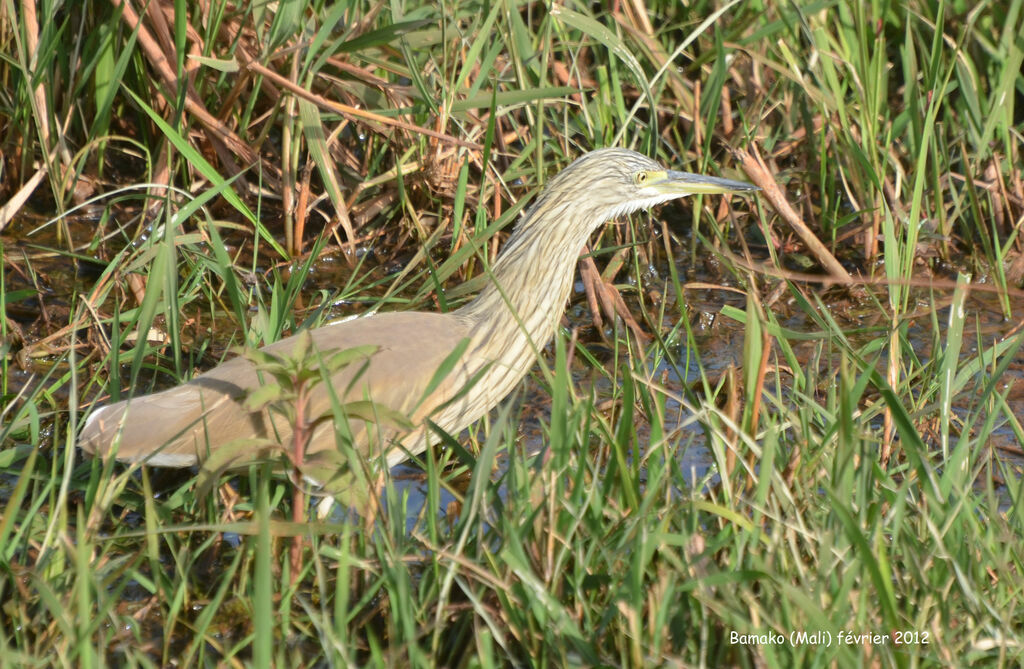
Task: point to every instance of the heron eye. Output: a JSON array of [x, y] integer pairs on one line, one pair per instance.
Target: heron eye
[[641, 178]]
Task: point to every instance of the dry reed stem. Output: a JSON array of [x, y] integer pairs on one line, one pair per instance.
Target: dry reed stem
[[18, 200], [219, 134], [608, 296], [758, 173], [348, 110]]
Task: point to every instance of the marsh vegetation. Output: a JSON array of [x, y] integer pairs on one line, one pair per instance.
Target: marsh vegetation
[[737, 436]]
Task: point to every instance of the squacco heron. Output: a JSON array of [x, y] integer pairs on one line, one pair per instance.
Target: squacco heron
[[502, 329]]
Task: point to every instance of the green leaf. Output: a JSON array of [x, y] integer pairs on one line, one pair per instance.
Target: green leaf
[[258, 398], [382, 36], [607, 38], [445, 368], [484, 100], [267, 362], [346, 357], [372, 412], [229, 65], [313, 131], [303, 344]]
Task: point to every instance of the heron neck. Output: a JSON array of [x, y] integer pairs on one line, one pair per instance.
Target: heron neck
[[523, 301]]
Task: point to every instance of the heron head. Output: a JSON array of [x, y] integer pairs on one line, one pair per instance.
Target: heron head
[[605, 184], [614, 182]]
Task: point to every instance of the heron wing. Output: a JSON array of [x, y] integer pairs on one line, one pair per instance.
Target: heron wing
[[188, 422]]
